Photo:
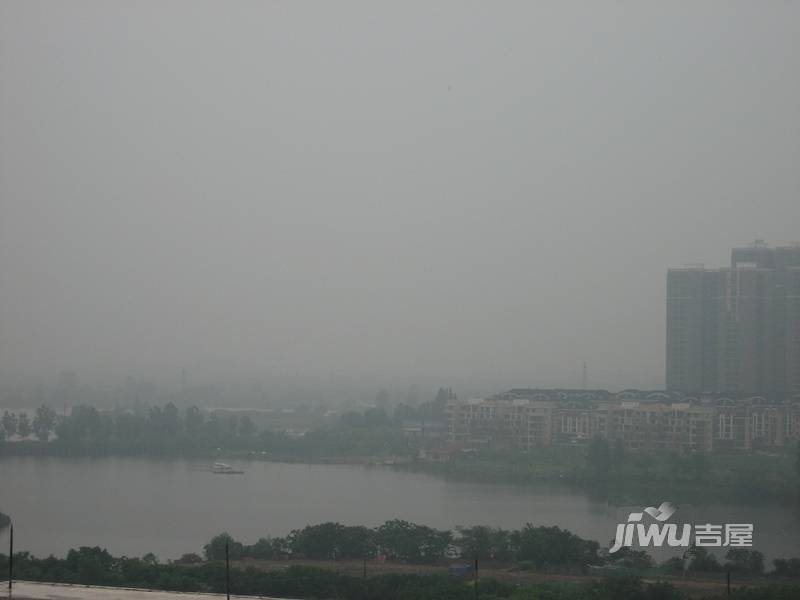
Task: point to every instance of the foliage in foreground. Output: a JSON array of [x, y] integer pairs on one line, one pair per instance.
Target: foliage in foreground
[[95, 566], [419, 544]]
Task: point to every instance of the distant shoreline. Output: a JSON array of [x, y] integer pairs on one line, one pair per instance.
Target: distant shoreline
[[613, 488]]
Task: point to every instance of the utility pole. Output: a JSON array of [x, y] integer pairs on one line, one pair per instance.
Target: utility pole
[[227, 571], [476, 578], [11, 558], [584, 376]]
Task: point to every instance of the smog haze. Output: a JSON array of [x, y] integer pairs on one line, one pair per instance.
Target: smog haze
[[470, 194]]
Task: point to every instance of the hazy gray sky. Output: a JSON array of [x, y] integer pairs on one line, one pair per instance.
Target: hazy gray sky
[[450, 191]]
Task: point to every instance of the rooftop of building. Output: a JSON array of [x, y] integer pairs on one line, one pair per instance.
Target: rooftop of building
[[588, 397]]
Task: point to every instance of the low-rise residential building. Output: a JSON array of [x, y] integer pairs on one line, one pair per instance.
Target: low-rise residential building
[[651, 421], [517, 422]]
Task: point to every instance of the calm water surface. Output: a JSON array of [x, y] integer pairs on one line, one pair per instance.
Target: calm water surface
[[134, 506]]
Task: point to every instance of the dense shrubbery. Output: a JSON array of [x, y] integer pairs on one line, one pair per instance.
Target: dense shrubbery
[[531, 547], [19, 424], [610, 474], [159, 430], [94, 566], [408, 542], [787, 567], [168, 431], [541, 547]]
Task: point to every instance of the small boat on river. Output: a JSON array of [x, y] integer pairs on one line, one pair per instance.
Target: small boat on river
[[221, 468]]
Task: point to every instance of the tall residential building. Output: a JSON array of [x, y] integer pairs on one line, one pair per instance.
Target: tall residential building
[[695, 316], [736, 329]]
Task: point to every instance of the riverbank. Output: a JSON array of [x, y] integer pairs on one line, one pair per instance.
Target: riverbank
[[749, 477]]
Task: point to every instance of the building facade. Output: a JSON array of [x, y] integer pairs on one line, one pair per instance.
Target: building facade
[[737, 329], [640, 421], [518, 423]]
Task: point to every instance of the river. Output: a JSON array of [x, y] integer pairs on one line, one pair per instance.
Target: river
[[132, 506]]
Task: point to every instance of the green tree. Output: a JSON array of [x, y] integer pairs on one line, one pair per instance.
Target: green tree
[[599, 456], [475, 542], [797, 463], [405, 412], [23, 425], [411, 542], [44, 422], [85, 426], [263, 549], [787, 567], [744, 560], [703, 561], [247, 428], [190, 558], [194, 421], [618, 454], [554, 546], [698, 466], [357, 542], [91, 565], [214, 429], [352, 418], [130, 429], [164, 422], [316, 541], [215, 549], [435, 409], [9, 423], [170, 419], [375, 417], [332, 541], [484, 542]]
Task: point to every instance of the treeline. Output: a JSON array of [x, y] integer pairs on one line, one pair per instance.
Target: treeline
[[754, 476], [87, 425], [605, 458], [533, 547], [95, 566], [166, 426], [609, 472], [740, 561], [158, 430], [403, 541], [42, 425], [168, 430]]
